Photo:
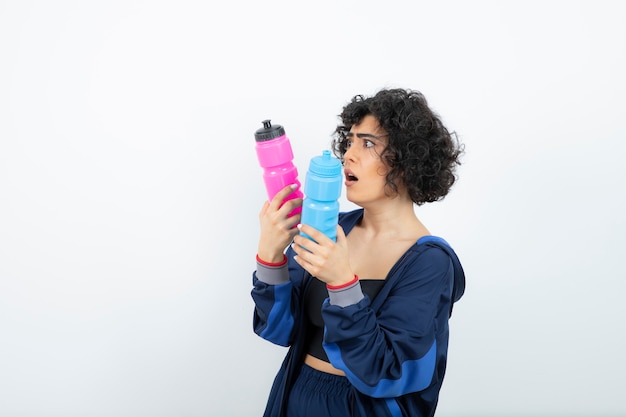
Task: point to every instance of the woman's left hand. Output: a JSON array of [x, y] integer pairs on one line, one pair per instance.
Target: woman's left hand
[[324, 259]]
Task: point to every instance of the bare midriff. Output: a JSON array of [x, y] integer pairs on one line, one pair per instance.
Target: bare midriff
[[323, 366]]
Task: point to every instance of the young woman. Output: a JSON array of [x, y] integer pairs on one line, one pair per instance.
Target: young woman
[[366, 317]]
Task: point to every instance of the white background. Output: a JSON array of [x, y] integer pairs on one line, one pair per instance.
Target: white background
[[129, 193]]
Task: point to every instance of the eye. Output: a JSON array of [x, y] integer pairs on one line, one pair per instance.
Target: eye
[[349, 142], [368, 143]]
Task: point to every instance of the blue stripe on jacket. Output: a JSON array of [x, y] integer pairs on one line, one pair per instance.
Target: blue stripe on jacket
[[280, 321], [416, 374]]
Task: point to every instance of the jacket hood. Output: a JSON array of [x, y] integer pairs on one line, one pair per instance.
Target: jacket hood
[[458, 286], [349, 219]]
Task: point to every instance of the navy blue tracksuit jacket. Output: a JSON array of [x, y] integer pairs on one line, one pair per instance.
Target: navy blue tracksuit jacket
[[393, 349]]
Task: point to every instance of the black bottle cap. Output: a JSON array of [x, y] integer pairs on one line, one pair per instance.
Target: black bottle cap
[[268, 132]]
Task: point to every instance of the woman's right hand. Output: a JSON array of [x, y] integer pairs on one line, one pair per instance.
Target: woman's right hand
[[277, 229]]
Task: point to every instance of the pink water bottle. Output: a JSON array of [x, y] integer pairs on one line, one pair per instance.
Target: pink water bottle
[[275, 156]]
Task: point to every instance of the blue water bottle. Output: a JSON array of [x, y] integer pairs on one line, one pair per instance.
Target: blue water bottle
[[322, 189]]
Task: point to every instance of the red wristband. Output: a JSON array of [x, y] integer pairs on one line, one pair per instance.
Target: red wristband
[[342, 286], [274, 264]]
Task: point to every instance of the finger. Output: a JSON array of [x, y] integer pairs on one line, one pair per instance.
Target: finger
[[300, 262], [289, 206], [280, 196], [292, 221], [266, 205], [341, 236], [300, 242], [302, 253], [306, 261], [315, 234]]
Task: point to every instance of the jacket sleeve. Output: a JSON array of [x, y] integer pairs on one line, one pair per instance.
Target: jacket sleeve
[[275, 294], [394, 351]]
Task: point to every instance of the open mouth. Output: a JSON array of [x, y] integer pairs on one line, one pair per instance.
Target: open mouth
[[350, 176]]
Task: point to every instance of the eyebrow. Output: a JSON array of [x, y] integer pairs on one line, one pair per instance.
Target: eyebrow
[[364, 136]]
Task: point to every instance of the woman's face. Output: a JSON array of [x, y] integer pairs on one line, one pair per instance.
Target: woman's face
[[364, 170]]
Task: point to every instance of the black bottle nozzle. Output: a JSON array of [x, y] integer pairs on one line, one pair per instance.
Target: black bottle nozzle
[[268, 132]]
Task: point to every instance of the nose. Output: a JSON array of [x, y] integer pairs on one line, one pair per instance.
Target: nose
[[349, 154]]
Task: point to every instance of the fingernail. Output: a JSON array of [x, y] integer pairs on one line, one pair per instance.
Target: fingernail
[[294, 186], [299, 226]]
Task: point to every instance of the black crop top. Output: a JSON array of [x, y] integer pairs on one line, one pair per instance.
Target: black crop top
[[314, 298]]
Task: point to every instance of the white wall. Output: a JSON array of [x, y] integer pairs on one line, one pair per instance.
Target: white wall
[[129, 193]]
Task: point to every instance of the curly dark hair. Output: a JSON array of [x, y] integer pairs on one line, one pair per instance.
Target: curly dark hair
[[421, 153]]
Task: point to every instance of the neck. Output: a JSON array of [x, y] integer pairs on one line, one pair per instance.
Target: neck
[[395, 218]]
